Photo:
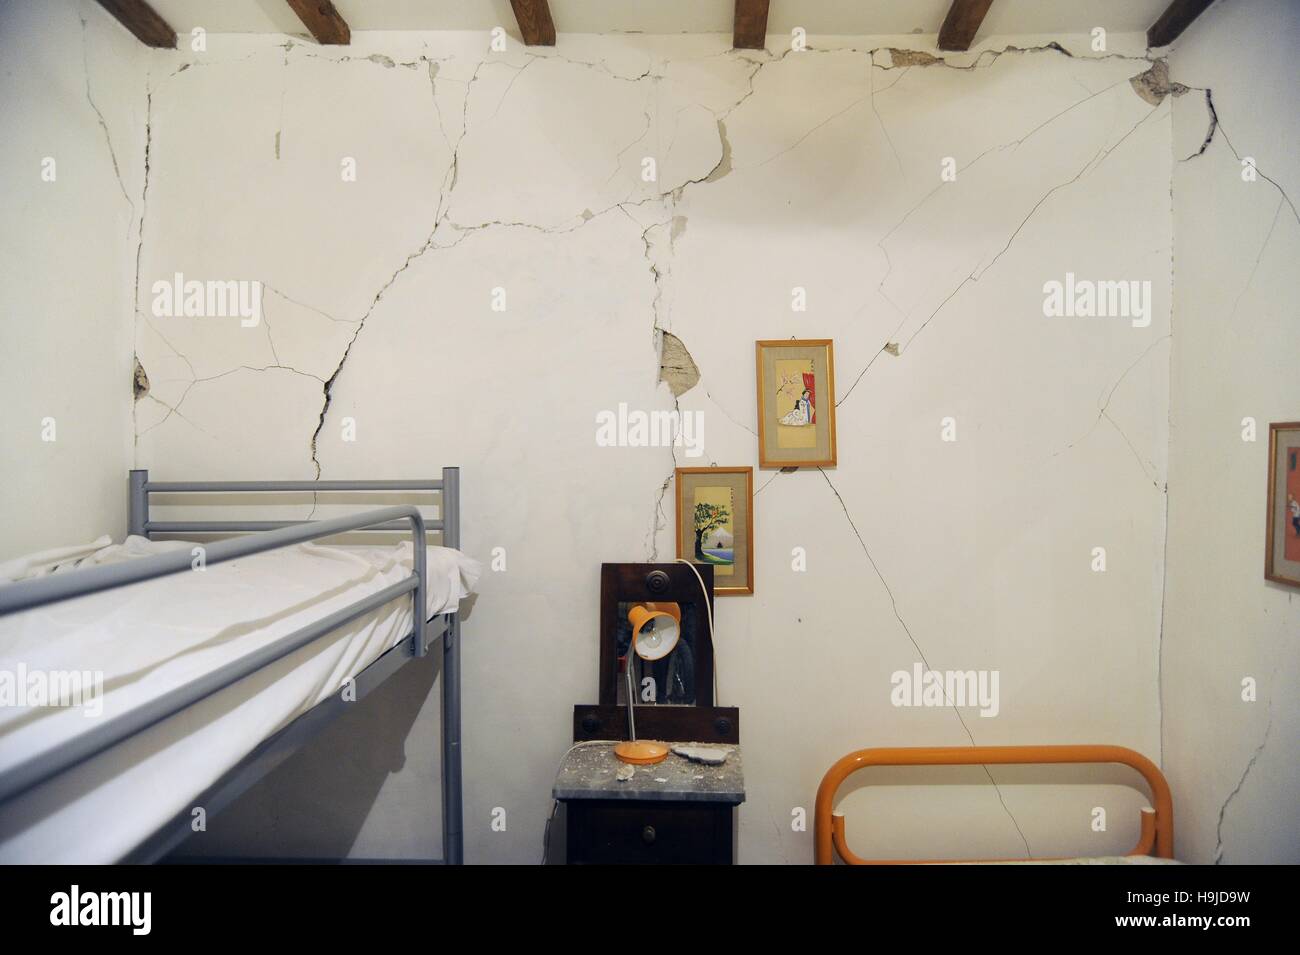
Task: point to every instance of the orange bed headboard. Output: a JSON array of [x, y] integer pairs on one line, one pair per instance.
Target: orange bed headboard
[[1157, 834]]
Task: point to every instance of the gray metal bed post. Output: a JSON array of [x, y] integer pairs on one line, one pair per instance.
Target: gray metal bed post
[[453, 823], [137, 521]]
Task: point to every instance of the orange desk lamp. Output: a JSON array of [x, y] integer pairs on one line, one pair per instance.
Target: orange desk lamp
[[656, 628]]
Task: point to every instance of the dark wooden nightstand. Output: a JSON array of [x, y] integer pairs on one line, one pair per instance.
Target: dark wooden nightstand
[[672, 813]]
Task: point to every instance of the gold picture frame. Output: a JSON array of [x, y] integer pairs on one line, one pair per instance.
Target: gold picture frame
[[796, 403], [1282, 548], [725, 538]]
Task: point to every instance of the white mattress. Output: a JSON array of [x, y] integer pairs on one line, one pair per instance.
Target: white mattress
[[1087, 860], [148, 638]]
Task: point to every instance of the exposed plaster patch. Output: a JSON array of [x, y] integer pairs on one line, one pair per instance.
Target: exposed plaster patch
[[724, 163], [899, 57], [139, 380], [1154, 85], [379, 59], [676, 366], [894, 58]]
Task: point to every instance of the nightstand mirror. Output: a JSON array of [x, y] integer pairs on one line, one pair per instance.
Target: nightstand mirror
[[675, 694], [669, 680]]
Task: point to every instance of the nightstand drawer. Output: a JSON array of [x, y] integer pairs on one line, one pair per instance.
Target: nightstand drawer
[[605, 832]]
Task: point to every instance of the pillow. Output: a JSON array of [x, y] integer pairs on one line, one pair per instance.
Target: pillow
[[52, 561]]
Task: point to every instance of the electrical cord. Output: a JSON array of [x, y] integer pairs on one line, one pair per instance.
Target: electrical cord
[[708, 610], [555, 803]]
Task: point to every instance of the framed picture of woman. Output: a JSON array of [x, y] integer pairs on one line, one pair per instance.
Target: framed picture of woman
[[796, 403]]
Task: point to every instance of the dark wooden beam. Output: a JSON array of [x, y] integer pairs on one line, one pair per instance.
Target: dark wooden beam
[[535, 23], [143, 21], [1177, 18], [750, 29], [323, 21], [962, 23]]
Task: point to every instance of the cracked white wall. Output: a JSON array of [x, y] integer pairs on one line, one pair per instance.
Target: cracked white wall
[[72, 88], [1232, 764], [818, 169]]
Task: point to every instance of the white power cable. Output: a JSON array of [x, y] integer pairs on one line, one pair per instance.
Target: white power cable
[[708, 610]]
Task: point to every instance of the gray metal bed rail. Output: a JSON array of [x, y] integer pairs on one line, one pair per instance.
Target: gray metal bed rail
[[271, 535]]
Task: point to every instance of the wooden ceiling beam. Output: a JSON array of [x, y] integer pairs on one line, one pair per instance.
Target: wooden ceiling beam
[[962, 23], [535, 23], [750, 25], [323, 21], [1176, 18], [143, 21]]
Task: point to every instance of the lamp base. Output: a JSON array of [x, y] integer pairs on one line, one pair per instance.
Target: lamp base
[[641, 752]]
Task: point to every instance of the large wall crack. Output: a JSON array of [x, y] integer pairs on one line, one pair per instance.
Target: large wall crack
[[921, 653], [1223, 810], [103, 124]]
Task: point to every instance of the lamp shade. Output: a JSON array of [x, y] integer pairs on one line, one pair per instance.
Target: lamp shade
[[656, 628]]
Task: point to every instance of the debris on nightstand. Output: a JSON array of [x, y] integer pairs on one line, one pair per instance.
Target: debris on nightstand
[[702, 754], [626, 773]]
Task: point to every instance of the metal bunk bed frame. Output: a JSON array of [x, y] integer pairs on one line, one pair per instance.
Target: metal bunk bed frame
[[264, 536]]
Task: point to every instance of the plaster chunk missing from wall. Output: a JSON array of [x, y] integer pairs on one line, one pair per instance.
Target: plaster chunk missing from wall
[[676, 366], [139, 380], [1154, 85], [723, 167], [899, 57]]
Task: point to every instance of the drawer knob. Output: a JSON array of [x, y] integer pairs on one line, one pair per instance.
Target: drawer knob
[[648, 835]]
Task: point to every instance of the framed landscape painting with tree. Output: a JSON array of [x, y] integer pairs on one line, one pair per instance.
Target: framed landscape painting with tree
[[715, 524]]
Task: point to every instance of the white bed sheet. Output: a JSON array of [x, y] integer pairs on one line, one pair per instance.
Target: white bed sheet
[[148, 638]]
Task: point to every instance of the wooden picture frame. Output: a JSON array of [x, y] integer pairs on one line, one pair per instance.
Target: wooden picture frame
[[706, 490], [1282, 547], [796, 418]]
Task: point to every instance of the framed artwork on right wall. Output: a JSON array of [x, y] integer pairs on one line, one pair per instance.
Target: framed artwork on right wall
[[1282, 558]]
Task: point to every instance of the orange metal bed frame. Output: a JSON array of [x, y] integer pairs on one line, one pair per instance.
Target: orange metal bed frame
[[1157, 833]]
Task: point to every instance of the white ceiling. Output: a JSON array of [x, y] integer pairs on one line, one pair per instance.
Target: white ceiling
[[853, 17]]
